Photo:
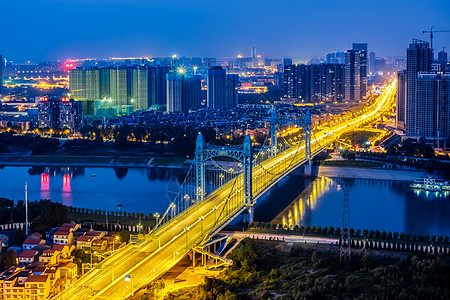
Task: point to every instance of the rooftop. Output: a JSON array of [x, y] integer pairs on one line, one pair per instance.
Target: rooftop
[[28, 254], [32, 241], [37, 278]]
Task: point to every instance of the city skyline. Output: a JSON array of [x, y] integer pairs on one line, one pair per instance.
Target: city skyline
[[142, 29]]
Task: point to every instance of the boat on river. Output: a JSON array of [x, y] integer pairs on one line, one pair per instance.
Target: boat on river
[[431, 183]]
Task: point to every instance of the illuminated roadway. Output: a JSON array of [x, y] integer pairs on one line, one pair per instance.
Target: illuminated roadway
[[162, 249]]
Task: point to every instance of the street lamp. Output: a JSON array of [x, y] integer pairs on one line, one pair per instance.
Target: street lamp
[[186, 199], [172, 205], [157, 215], [201, 223], [215, 212], [221, 176], [186, 230]]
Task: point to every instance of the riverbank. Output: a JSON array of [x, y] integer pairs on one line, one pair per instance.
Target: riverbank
[[370, 173], [92, 161], [271, 269]]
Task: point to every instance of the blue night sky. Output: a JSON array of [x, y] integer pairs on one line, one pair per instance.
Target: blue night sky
[[59, 29]]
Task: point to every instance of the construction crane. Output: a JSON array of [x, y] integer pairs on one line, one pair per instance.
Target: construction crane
[[431, 34]]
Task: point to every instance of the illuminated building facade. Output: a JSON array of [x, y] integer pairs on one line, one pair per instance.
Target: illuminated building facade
[[419, 58], [61, 113], [433, 107], [352, 75], [70, 114], [1, 75], [48, 113], [222, 88], [362, 48], [314, 83], [183, 92], [401, 100]]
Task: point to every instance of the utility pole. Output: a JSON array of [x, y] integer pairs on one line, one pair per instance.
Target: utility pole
[[26, 209], [345, 251]]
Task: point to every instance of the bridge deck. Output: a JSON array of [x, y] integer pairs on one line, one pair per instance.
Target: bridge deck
[[170, 243]]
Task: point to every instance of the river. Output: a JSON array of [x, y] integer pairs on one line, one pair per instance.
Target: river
[[374, 204]]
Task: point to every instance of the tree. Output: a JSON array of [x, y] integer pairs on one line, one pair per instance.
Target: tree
[[51, 214], [121, 141], [315, 259], [11, 259]]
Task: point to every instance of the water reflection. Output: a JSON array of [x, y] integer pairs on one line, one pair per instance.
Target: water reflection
[[374, 204], [145, 190], [306, 202], [121, 172], [45, 186], [66, 196]]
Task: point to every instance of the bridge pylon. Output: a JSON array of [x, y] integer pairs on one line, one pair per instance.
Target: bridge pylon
[[273, 132], [247, 163], [305, 123], [243, 154], [200, 168]]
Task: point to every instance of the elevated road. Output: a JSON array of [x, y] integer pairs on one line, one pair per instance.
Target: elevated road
[[162, 249]]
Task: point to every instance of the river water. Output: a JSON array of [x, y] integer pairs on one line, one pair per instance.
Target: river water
[[374, 204]]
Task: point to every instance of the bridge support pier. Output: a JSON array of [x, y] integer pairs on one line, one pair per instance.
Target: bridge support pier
[[307, 169], [248, 215]]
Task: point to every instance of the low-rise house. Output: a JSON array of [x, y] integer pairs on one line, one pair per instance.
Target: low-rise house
[[14, 285], [69, 271], [64, 233], [85, 242], [63, 236], [100, 245], [37, 287], [65, 252], [30, 243], [49, 257], [36, 236], [27, 257]]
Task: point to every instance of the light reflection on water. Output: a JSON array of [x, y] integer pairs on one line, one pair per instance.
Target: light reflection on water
[[374, 204], [146, 190]]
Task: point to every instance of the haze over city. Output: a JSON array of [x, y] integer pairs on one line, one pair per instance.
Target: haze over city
[[61, 29]]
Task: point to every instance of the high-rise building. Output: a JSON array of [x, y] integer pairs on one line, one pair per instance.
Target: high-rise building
[[89, 85], [183, 92], [352, 75], [231, 92], [119, 86], [157, 87], [317, 83], [290, 81], [401, 100], [222, 88], [372, 62], [139, 89], [433, 107], [362, 48], [70, 114], [77, 83], [442, 57], [174, 87], [253, 52], [64, 113], [216, 87], [48, 116], [419, 58], [1, 74], [278, 79]]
